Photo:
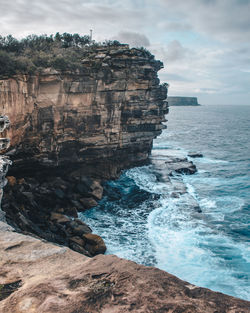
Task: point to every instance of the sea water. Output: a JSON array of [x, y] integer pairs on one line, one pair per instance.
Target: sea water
[[140, 220]]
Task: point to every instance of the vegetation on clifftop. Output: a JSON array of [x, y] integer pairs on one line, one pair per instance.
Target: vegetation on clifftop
[[63, 52]]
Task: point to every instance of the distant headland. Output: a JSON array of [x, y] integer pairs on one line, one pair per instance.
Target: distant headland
[[179, 101]]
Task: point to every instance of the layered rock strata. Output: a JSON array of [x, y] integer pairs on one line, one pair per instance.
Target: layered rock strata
[[4, 160], [102, 117], [72, 130]]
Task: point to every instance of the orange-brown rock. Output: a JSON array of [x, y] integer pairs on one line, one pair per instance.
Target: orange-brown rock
[[46, 278], [11, 180], [102, 118], [94, 243], [59, 218], [72, 130]]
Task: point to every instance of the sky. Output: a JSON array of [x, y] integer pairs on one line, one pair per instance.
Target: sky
[[204, 44]]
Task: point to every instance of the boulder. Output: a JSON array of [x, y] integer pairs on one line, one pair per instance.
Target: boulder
[[80, 229], [11, 180], [88, 203], [94, 244], [77, 240], [195, 155], [59, 218]]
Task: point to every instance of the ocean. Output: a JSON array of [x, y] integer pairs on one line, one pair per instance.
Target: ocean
[[140, 219]]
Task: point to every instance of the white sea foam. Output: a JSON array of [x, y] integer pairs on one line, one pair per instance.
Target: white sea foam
[[209, 160], [147, 180], [198, 250]]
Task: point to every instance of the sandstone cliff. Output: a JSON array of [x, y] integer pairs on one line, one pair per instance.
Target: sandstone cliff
[[71, 130], [37, 276], [106, 113]]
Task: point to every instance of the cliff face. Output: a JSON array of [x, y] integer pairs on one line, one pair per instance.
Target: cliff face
[[182, 101], [69, 131], [109, 113]]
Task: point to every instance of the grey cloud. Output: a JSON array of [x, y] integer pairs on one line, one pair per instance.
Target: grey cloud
[[45, 16], [134, 39], [175, 26], [203, 43], [224, 20], [175, 51]]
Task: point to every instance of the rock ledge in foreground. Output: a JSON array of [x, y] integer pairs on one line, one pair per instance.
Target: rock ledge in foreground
[[56, 279]]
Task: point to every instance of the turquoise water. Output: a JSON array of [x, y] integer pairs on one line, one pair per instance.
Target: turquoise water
[[141, 221]]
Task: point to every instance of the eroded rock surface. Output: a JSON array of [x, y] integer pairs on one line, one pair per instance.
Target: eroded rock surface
[[50, 279], [102, 118], [71, 130]]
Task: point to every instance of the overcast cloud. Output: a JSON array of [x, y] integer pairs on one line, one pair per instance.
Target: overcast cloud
[[204, 44]]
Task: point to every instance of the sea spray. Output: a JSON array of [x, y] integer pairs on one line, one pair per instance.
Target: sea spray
[[208, 247]]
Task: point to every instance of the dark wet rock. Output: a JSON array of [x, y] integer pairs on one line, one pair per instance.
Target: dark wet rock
[[79, 206], [59, 218], [77, 240], [197, 209], [78, 248], [59, 193], [185, 168], [8, 289], [175, 195], [87, 203], [195, 155], [33, 206], [180, 166], [70, 211], [80, 230]]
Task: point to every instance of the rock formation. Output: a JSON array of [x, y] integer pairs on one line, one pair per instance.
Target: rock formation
[[70, 131], [183, 101], [4, 160], [103, 117], [39, 277], [63, 122]]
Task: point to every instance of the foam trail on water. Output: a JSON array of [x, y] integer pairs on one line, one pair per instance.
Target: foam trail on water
[[194, 250]]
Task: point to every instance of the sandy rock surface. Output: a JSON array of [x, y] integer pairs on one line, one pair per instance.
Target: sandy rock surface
[[50, 278]]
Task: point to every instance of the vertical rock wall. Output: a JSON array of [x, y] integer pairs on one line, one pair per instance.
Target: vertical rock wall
[[4, 160], [103, 117], [70, 131]]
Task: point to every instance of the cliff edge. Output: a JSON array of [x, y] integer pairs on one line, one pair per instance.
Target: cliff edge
[[102, 117], [70, 130], [37, 276]]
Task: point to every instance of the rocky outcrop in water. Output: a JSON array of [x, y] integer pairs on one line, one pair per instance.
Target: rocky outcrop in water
[[70, 131], [183, 101]]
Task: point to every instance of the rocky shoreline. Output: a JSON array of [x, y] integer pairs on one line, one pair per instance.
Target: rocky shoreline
[[69, 133], [49, 209]]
